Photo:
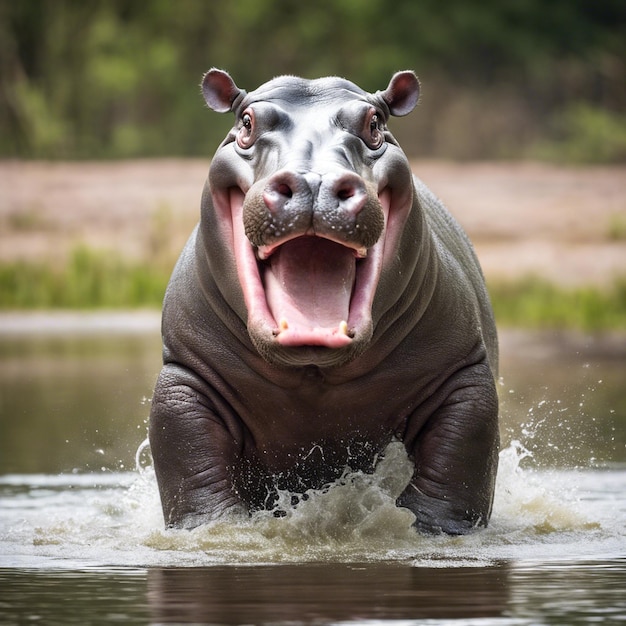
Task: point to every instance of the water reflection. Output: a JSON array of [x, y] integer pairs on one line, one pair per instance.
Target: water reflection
[[559, 592], [74, 401], [324, 592], [73, 597], [80, 401], [569, 592]]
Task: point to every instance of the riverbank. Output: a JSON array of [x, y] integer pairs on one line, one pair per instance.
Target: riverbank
[[551, 239], [566, 225]]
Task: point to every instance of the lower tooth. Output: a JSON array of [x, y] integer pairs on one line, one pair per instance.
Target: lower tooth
[[343, 327], [283, 325]]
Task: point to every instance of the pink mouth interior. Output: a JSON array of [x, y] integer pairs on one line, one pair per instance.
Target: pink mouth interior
[[308, 285]]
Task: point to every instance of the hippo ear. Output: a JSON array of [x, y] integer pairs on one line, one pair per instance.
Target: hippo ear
[[219, 90], [402, 93]]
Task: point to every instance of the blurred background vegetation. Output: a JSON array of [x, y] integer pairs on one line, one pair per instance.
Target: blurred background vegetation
[[118, 79], [500, 78]]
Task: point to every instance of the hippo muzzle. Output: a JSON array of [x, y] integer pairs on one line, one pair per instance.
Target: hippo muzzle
[[312, 235], [309, 209]]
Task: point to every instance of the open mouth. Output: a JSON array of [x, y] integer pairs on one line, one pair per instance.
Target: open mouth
[[309, 290], [309, 282]]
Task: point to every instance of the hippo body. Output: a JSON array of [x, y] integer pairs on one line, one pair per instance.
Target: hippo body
[[326, 303]]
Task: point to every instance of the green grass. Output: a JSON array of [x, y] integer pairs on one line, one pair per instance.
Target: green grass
[[95, 279], [536, 303], [90, 279], [617, 228]]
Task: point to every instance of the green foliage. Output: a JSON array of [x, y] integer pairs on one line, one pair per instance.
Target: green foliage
[[617, 227], [585, 134], [119, 78], [535, 303], [91, 279], [100, 279]]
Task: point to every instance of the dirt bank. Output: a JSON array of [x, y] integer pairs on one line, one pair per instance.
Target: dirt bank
[[565, 224]]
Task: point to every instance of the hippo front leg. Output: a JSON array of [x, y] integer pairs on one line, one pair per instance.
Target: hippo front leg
[[193, 451], [456, 456]]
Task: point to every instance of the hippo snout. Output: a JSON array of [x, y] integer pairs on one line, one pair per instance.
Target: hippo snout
[[345, 192], [339, 206]]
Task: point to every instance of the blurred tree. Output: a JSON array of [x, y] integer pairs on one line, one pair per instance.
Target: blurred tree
[[119, 78]]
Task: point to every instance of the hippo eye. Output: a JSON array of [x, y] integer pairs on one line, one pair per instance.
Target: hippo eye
[[245, 133], [375, 136]]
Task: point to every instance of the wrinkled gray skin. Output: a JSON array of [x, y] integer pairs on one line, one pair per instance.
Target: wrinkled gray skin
[[326, 303]]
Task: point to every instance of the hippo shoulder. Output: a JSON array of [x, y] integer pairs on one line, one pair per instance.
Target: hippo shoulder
[[446, 229], [458, 259]]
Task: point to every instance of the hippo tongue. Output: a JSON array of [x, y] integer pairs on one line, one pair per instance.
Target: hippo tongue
[[308, 285]]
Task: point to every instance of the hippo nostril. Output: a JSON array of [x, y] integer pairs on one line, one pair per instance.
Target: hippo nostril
[[344, 193], [284, 190], [349, 192], [279, 191]]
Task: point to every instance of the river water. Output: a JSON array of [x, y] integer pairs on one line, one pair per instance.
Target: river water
[[82, 538]]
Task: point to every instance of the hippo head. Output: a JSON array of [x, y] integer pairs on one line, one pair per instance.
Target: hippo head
[[310, 192]]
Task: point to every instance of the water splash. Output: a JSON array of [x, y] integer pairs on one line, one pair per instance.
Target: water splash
[[354, 518], [143, 456], [528, 504], [116, 519], [567, 425]]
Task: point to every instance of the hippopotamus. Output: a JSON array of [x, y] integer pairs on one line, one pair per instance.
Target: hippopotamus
[[325, 305]]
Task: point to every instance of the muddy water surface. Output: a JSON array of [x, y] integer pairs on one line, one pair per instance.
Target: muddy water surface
[[82, 539]]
